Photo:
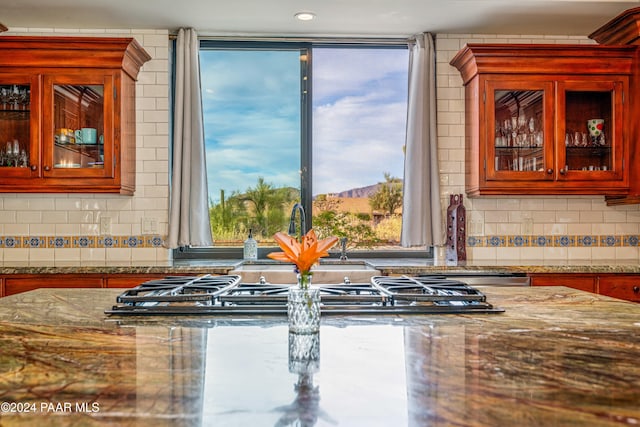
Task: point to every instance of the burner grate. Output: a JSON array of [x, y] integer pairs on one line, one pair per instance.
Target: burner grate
[[226, 295]]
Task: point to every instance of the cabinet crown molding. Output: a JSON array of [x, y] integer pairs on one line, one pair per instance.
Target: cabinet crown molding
[[541, 59]]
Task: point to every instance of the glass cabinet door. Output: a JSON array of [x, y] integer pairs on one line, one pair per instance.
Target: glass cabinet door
[[591, 129], [18, 126], [518, 145], [79, 133]]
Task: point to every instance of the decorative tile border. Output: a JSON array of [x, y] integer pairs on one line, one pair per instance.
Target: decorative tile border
[[552, 241], [59, 242]]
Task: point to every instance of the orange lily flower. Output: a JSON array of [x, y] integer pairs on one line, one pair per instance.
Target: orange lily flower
[[303, 254]]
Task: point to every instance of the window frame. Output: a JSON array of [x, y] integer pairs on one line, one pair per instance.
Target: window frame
[[306, 142]]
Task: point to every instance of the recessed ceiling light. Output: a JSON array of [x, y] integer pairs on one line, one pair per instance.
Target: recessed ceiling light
[[304, 16]]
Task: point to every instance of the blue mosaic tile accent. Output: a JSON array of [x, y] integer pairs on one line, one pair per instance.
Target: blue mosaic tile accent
[[564, 241], [108, 242], [154, 242], [587, 241], [157, 241], [83, 242], [495, 241], [610, 241], [519, 241], [630, 241], [541, 241], [12, 242], [33, 242], [58, 242], [474, 241], [132, 242]]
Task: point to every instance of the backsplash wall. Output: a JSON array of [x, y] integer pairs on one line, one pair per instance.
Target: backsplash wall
[[63, 229], [520, 229]]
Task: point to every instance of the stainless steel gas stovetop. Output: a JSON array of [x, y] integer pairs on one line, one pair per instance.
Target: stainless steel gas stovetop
[[227, 295]]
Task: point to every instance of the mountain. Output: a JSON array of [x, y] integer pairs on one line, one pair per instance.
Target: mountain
[[367, 191]]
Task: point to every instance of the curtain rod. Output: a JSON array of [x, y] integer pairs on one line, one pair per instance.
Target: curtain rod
[[320, 40]]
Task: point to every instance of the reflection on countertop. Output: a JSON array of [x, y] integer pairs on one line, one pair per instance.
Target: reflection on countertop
[[556, 356]]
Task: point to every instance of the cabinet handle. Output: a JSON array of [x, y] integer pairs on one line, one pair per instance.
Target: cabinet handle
[[562, 171], [47, 168], [34, 167], [549, 171], [636, 289]]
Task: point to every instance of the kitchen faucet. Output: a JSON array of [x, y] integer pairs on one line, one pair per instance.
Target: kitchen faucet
[[343, 249], [292, 222]]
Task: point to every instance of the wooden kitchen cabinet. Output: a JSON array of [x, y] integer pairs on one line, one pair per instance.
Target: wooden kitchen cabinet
[[67, 114], [624, 29], [527, 112]]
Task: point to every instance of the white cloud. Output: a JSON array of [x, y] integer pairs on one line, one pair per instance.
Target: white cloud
[[356, 140]]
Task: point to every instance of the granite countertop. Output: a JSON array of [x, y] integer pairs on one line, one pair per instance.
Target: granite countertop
[[555, 357], [386, 266]]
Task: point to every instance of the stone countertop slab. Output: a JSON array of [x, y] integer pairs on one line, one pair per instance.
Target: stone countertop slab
[[387, 266], [555, 357]]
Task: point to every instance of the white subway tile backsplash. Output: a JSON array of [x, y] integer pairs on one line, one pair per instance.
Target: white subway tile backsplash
[[16, 204], [627, 228], [613, 216], [43, 257], [117, 255], [155, 141], [553, 216], [155, 116], [17, 257], [29, 217], [626, 253], [66, 217], [591, 217]]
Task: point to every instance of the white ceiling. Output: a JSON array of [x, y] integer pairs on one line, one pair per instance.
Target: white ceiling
[[334, 17]]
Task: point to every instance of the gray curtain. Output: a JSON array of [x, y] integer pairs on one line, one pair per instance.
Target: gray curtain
[[189, 208], [421, 210]]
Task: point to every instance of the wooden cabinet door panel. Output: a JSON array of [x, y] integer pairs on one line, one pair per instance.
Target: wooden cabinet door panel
[[131, 280], [14, 285], [621, 286], [584, 282]]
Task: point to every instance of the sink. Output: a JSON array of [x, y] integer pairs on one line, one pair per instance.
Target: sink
[[322, 274]]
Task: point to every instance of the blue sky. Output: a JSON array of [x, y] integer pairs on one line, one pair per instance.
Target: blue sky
[[251, 108]]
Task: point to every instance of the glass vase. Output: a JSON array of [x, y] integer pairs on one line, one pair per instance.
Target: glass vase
[[304, 353], [303, 309]]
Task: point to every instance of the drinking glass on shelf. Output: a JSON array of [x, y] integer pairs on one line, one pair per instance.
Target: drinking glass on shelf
[[4, 96], [9, 154]]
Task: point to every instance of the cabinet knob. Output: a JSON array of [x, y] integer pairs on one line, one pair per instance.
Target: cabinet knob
[[636, 289], [34, 167], [549, 171], [562, 171], [47, 168]]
